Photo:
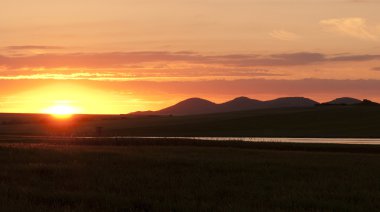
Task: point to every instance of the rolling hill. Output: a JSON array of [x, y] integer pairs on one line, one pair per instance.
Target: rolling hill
[[344, 101], [194, 106], [190, 106], [345, 121]]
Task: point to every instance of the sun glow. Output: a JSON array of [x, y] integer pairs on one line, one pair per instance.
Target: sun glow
[[61, 111], [77, 97]]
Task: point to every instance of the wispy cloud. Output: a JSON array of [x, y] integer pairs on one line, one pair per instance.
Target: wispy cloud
[[33, 47], [166, 66], [122, 60], [354, 27], [284, 35]]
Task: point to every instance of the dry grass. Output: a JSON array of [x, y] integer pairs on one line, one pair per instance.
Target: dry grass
[[42, 176]]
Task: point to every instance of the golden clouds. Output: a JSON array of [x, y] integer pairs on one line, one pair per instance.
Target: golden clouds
[[284, 35], [354, 27]]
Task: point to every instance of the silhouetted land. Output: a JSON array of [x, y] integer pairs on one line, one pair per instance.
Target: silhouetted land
[[319, 121], [42, 172], [65, 174], [196, 106]]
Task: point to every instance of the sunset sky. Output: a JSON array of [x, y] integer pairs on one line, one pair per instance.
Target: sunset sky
[[119, 56]]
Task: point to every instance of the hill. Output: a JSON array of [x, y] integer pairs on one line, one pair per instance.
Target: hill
[[344, 121], [332, 121], [290, 102], [367, 102], [194, 106], [240, 103], [344, 101], [189, 106]]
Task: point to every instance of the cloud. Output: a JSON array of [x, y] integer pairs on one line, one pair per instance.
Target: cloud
[[284, 35], [355, 58], [33, 47], [376, 68], [326, 89], [125, 60], [353, 27]]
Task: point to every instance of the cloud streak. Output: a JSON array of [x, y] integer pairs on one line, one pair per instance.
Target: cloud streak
[[182, 66], [321, 89], [129, 59], [33, 47], [353, 27], [284, 35]]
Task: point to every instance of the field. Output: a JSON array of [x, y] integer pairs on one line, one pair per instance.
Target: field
[[143, 175], [329, 121]]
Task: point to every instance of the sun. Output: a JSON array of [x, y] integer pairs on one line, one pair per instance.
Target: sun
[[61, 111]]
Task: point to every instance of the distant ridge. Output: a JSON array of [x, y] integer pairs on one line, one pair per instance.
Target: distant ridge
[[240, 103], [194, 106], [367, 102], [190, 106], [202, 106], [344, 101], [291, 102]]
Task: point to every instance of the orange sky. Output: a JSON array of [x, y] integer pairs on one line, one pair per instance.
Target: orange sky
[[118, 56]]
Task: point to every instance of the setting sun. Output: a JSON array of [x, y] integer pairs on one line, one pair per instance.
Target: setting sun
[[61, 111]]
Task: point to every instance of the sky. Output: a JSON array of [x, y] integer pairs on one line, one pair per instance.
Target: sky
[[119, 56]]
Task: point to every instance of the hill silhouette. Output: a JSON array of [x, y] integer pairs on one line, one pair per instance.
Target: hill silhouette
[[367, 102], [194, 106], [189, 106], [240, 103], [287, 102], [344, 101]]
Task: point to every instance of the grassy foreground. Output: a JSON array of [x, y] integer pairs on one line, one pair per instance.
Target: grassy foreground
[[43, 176]]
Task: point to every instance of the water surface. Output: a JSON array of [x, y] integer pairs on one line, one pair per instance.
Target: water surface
[[372, 141]]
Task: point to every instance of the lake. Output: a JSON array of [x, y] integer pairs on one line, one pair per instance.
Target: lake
[[372, 141]]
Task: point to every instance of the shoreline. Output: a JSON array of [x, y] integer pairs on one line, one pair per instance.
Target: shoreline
[[144, 141]]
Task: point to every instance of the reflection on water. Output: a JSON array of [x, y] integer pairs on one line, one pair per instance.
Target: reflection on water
[[284, 140], [372, 141]]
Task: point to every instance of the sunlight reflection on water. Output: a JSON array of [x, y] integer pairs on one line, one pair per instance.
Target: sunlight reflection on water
[[374, 141], [371, 141]]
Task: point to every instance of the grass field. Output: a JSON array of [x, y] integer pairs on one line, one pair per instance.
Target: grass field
[[329, 121], [40, 175]]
